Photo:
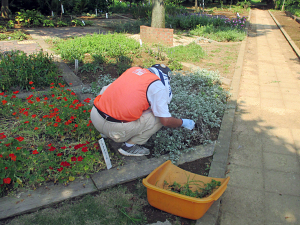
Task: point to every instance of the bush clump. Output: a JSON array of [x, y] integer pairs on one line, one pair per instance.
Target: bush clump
[[17, 69]]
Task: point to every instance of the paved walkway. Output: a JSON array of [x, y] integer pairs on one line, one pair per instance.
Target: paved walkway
[[264, 153]]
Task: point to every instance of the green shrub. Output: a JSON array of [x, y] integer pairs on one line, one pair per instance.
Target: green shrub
[[222, 34], [29, 17], [17, 69], [98, 45], [197, 96], [130, 27], [191, 52]]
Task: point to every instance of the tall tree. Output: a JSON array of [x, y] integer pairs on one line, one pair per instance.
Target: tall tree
[[158, 14], [4, 8]]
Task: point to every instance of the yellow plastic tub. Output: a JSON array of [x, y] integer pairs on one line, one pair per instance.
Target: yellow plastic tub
[[178, 204]]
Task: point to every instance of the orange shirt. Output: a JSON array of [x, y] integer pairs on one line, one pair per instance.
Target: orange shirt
[[126, 98]]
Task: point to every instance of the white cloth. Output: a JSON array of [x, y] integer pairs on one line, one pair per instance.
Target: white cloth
[[158, 97]]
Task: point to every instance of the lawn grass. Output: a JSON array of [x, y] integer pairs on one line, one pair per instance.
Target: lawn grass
[[114, 206]]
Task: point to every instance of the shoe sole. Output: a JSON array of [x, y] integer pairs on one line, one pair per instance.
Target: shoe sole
[[129, 154]]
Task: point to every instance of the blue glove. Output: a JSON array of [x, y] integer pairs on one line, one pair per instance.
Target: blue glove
[[189, 124]]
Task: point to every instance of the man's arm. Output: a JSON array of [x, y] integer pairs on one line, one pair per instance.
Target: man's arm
[[170, 122]]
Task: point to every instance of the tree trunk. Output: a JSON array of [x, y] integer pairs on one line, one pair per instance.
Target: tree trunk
[[4, 9], [196, 5], [158, 14], [282, 8]]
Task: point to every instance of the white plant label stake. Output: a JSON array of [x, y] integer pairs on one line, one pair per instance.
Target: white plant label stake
[[52, 13], [106, 15], [62, 8], [96, 11], [141, 43], [105, 153], [76, 65]]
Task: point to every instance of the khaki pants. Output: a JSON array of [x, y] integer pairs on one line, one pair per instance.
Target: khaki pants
[[138, 131]]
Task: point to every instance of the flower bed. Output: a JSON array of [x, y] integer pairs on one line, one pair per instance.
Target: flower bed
[[46, 138]]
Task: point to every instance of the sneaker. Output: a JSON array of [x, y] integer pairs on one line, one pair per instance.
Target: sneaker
[[135, 150]]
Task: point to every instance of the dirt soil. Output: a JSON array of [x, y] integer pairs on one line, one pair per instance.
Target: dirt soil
[[291, 26]]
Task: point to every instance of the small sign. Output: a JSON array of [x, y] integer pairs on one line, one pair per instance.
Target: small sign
[[76, 65], [141, 43], [52, 13], [106, 15], [62, 8], [105, 153], [96, 11]]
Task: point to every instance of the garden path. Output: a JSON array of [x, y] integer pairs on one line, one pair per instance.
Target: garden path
[[263, 160]]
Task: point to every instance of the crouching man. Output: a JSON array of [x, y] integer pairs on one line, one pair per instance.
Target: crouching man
[[134, 107]]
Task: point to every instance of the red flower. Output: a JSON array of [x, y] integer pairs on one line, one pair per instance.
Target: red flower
[[2, 93], [60, 169], [58, 119], [75, 101], [51, 168], [65, 164], [36, 128], [2, 136], [35, 152], [79, 158], [16, 92], [29, 97], [4, 102], [63, 147], [6, 180], [73, 159], [30, 82], [33, 116], [52, 84], [55, 124], [6, 168], [26, 122], [84, 149], [18, 148], [76, 125], [70, 84], [1, 156], [30, 102], [51, 87], [52, 95], [49, 144], [14, 113], [13, 96], [32, 88], [13, 157], [78, 146], [87, 100], [38, 99], [19, 139], [72, 117], [72, 93], [60, 154], [45, 98], [51, 149], [7, 144]]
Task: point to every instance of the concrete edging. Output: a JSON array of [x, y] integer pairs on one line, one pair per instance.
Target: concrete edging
[[287, 37]]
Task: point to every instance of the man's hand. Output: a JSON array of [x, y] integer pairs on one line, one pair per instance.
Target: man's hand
[[189, 124]]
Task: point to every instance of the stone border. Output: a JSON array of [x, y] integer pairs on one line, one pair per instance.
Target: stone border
[[287, 37]]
